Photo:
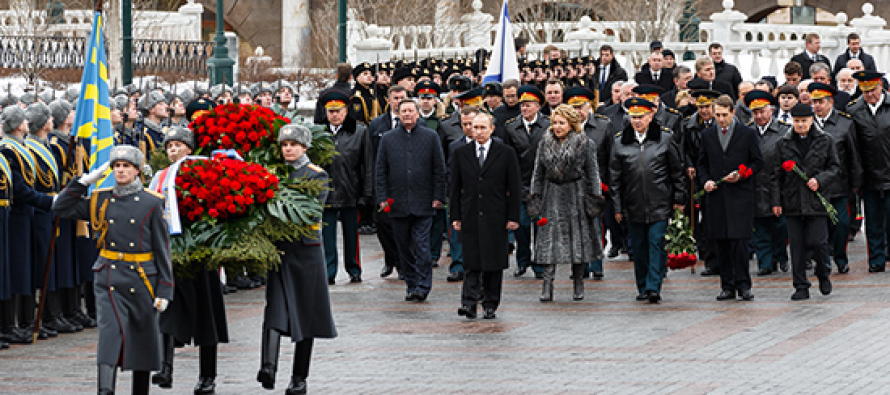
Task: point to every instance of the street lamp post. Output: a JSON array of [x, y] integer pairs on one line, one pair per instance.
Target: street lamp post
[[341, 16], [127, 42], [220, 64]]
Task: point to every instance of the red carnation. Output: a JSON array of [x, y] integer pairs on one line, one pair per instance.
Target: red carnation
[[604, 187], [387, 209], [788, 165], [390, 201], [542, 221], [213, 213]]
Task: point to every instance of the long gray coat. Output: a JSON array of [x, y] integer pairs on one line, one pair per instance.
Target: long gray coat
[[129, 336], [565, 172], [297, 300]]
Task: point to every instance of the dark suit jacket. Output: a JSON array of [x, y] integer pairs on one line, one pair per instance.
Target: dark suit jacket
[[867, 60], [411, 171], [378, 127], [730, 208], [616, 73], [729, 74], [484, 199], [665, 79], [806, 62]]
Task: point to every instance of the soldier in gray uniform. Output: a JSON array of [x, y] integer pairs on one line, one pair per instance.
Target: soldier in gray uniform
[[133, 275], [297, 300]]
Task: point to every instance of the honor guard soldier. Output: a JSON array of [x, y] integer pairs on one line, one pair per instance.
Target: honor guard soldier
[[364, 106], [149, 130], [133, 275], [19, 171], [297, 301]]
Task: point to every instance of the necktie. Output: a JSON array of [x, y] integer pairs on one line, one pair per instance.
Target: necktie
[[396, 122], [481, 155], [603, 77], [724, 131], [655, 77], [785, 118], [528, 128]]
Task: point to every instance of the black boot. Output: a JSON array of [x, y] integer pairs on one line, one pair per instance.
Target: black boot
[[207, 380], [302, 358], [297, 386], [164, 378], [25, 312], [269, 358], [10, 333], [578, 281], [51, 312], [547, 285], [140, 382], [105, 379]]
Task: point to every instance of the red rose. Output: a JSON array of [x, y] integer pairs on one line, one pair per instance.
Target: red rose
[[213, 213], [788, 165], [542, 221], [270, 194], [387, 209], [743, 169], [389, 201], [604, 187]]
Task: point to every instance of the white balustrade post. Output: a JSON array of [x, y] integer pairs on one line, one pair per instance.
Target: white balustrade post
[[192, 13], [373, 49], [585, 36], [232, 45], [477, 27], [724, 27]]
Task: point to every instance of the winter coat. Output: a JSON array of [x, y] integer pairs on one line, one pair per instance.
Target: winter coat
[[873, 140], [763, 180], [840, 127], [819, 162], [565, 175], [352, 169], [525, 144]]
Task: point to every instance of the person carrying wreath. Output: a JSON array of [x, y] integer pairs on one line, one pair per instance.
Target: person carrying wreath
[[297, 300], [133, 274]]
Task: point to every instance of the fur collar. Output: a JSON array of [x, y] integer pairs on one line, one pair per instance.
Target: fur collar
[[652, 134]]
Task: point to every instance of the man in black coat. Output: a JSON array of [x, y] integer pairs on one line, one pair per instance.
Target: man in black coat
[[351, 181], [854, 51], [705, 78], [812, 152], [524, 133], [607, 72], [729, 152], [509, 110], [378, 127], [810, 55], [655, 75], [485, 187], [411, 184], [723, 71], [840, 127]]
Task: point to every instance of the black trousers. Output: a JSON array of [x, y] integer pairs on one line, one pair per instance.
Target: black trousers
[[475, 281], [732, 255], [809, 238], [388, 241]]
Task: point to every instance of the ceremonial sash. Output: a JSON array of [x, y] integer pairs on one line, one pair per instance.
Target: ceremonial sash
[[44, 154], [23, 153], [4, 167]]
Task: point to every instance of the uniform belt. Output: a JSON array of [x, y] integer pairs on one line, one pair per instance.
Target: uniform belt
[[5, 203], [52, 193], [125, 256]]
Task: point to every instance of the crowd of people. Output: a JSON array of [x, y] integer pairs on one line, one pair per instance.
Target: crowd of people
[[569, 164]]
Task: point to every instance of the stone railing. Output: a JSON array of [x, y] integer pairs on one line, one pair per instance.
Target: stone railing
[[756, 48]]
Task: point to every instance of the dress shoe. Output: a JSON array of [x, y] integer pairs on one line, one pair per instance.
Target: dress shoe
[[825, 285], [810, 265], [613, 252], [489, 314], [62, 319], [643, 296], [420, 296], [764, 271], [843, 269], [784, 267], [726, 295], [410, 297], [598, 275], [82, 319], [539, 275], [510, 248], [386, 271], [15, 335], [355, 278], [746, 294], [228, 289], [875, 269], [801, 294], [206, 385], [297, 386], [709, 272], [42, 333], [266, 376], [3, 345], [241, 282], [654, 297], [519, 271], [331, 281], [467, 311], [455, 277], [401, 276], [164, 377], [61, 327]]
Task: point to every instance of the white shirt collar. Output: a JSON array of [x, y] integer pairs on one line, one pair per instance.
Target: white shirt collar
[[874, 108], [527, 123], [810, 54], [641, 137], [830, 110], [335, 129], [487, 145]]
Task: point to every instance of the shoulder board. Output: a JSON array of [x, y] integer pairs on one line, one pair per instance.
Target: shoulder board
[[688, 118], [854, 101], [598, 115], [357, 94], [618, 135], [315, 167], [673, 110], [100, 190], [514, 119], [153, 193], [664, 129], [843, 114]]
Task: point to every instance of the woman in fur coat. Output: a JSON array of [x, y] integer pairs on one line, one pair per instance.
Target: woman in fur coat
[[564, 190]]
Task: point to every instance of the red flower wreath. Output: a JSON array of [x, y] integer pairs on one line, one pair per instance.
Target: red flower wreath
[[222, 187], [233, 126]]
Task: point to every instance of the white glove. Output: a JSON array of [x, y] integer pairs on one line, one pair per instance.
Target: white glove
[[161, 304], [147, 170], [95, 175]]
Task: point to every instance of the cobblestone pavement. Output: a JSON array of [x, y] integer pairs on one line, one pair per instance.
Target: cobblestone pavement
[[607, 343]]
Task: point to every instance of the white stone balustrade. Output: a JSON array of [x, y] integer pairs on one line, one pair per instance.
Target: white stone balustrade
[[156, 25]]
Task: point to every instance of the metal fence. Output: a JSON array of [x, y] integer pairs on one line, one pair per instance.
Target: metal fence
[[149, 56]]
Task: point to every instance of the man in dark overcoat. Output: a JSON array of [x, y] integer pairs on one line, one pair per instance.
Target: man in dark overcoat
[[410, 185], [485, 187], [730, 207]]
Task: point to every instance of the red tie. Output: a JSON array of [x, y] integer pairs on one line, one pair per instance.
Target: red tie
[[724, 131]]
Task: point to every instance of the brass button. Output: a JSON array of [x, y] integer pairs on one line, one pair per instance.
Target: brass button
[[111, 288], [112, 200], [112, 244], [113, 267], [132, 290], [132, 267], [132, 221], [132, 245], [136, 199], [111, 221]]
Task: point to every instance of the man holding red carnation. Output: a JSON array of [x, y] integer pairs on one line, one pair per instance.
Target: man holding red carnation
[[729, 156]]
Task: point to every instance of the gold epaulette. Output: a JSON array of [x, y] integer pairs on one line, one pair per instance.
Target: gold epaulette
[[315, 167], [673, 110], [845, 115], [155, 194], [514, 119], [598, 115]]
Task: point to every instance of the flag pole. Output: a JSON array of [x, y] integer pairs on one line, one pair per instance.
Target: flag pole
[[56, 221]]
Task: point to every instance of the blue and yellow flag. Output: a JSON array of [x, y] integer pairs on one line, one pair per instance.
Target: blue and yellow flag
[[93, 119]]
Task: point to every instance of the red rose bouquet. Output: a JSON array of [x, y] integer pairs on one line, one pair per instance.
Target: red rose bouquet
[[387, 206], [541, 221], [679, 243], [789, 166], [743, 171], [233, 126], [221, 188]]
